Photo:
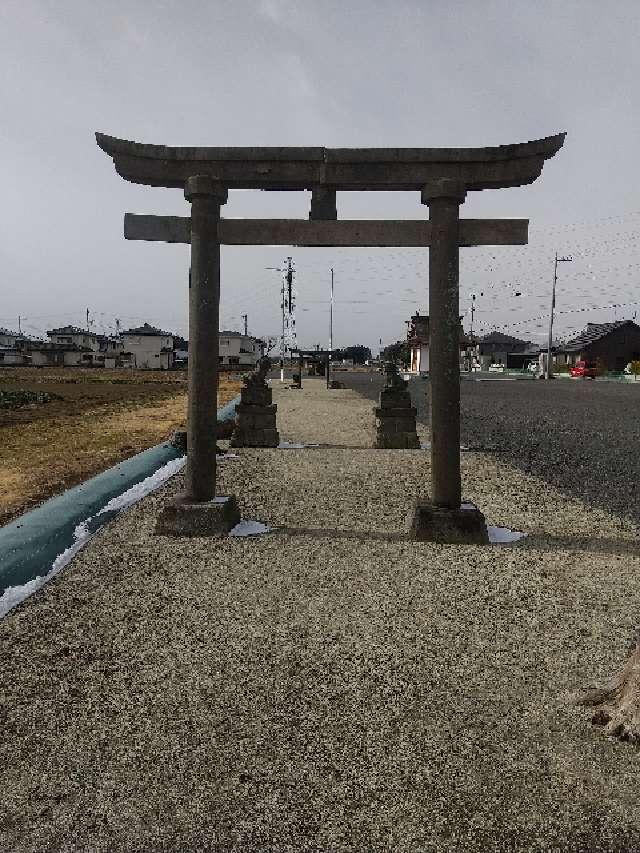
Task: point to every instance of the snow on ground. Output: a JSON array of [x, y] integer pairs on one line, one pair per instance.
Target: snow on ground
[[83, 532], [249, 528]]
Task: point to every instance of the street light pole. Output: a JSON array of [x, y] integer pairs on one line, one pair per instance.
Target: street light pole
[[548, 372]]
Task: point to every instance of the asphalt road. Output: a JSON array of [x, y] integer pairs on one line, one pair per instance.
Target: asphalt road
[[583, 437]]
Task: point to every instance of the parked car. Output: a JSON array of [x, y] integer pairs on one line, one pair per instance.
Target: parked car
[[584, 370]]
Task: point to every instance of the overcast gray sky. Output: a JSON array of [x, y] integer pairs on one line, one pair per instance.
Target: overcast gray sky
[[350, 73]]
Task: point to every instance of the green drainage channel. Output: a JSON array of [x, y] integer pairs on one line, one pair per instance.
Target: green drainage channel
[[30, 545]]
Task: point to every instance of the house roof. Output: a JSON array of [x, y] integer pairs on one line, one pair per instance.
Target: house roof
[[70, 330], [592, 333], [501, 338], [13, 334], [146, 329], [226, 333]]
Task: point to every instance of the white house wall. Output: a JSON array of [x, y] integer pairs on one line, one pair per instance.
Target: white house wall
[[229, 348], [147, 351]]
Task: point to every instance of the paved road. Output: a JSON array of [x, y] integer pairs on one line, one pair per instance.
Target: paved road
[[581, 436]]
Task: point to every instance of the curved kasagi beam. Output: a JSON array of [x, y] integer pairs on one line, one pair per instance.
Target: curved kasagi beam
[[336, 168]]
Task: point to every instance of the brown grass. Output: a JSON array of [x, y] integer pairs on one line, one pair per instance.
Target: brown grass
[[44, 451]]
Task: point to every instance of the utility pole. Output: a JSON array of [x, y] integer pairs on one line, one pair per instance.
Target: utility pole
[[117, 327], [330, 328], [291, 304], [19, 326], [287, 282], [245, 318], [473, 309], [548, 372], [87, 319]]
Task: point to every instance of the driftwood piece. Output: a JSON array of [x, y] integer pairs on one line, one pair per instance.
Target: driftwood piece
[[616, 704]]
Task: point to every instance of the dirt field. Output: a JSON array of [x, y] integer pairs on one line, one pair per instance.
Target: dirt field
[[100, 418]]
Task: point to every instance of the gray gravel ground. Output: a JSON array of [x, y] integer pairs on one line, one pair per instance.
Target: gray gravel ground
[[312, 691], [581, 436]]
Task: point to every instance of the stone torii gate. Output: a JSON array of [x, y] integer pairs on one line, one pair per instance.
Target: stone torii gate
[[443, 176], [314, 353]]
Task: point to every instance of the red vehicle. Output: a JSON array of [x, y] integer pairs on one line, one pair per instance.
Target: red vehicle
[[584, 370]]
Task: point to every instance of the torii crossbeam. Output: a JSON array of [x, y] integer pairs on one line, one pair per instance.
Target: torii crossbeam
[[442, 175]]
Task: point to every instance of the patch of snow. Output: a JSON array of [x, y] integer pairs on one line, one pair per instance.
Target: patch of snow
[[499, 535], [148, 485], [82, 533], [426, 445], [249, 528], [13, 595]]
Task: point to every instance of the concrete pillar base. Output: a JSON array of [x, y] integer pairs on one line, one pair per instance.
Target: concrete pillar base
[[464, 526], [397, 440], [209, 518]]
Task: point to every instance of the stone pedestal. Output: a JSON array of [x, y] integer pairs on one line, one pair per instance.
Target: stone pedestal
[[256, 414], [463, 526], [183, 517], [396, 417]]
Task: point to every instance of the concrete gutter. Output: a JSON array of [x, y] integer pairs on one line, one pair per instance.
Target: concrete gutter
[[32, 544]]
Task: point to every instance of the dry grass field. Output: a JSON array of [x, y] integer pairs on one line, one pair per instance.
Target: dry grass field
[[94, 419]]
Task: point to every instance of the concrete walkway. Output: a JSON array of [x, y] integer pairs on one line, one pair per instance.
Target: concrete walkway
[[329, 688]]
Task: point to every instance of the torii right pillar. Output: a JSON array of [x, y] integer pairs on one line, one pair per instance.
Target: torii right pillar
[[445, 518]]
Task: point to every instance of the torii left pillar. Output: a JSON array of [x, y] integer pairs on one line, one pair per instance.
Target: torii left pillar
[[199, 512]]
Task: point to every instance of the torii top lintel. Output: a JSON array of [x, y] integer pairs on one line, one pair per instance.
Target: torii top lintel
[[334, 168]]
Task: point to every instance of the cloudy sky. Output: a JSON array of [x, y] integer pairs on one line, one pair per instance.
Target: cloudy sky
[[350, 73]]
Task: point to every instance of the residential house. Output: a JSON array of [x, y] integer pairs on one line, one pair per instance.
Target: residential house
[[239, 350], [112, 347], [498, 348], [521, 359], [610, 345], [84, 340], [12, 357], [150, 348], [418, 340], [11, 340], [67, 346], [12, 348], [181, 358]]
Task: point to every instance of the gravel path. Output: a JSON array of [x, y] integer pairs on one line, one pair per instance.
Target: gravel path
[[332, 688], [582, 437]]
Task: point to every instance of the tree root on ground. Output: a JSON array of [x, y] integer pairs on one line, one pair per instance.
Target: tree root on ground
[[617, 703]]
